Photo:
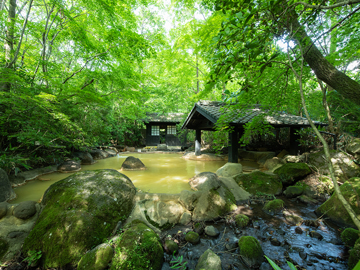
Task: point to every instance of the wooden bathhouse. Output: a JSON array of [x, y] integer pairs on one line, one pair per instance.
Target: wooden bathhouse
[[204, 115], [161, 129]]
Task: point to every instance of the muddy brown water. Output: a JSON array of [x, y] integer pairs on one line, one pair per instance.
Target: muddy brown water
[[165, 173], [303, 250]]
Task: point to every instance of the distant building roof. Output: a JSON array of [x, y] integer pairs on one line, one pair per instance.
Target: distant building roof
[[211, 111], [161, 118]]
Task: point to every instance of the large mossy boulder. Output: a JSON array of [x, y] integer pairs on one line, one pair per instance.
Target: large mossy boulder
[[353, 148], [259, 182], [78, 213], [204, 181], [333, 208], [293, 191], [97, 258], [344, 166], [229, 170], [274, 206], [251, 251], [132, 164], [349, 236], [290, 173], [354, 256], [139, 247]]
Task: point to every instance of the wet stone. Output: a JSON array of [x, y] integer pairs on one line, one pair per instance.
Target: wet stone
[[15, 234], [3, 209], [25, 210], [212, 231], [275, 242], [298, 230], [316, 235], [302, 255]]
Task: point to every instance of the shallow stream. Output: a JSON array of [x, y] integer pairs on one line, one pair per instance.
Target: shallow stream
[[278, 239]]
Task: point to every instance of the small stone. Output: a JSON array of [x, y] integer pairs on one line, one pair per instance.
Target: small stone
[[316, 235], [302, 255], [170, 247], [242, 220], [209, 261], [212, 231], [192, 237], [298, 230], [199, 228], [25, 210], [275, 242]]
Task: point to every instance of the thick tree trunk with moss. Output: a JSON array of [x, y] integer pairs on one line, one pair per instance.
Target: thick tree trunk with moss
[[323, 69]]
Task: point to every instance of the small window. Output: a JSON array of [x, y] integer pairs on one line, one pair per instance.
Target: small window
[[155, 130], [171, 130]]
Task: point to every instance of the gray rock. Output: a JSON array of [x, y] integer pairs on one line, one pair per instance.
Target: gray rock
[[25, 210], [69, 166], [188, 198], [132, 164], [111, 153], [17, 234], [98, 154], [185, 218], [209, 261], [6, 191], [212, 231], [3, 209], [204, 181], [85, 157], [239, 193], [170, 247], [229, 170], [162, 147]]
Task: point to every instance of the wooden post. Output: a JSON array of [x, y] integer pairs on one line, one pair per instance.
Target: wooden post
[[233, 145], [294, 141], [198, 142]]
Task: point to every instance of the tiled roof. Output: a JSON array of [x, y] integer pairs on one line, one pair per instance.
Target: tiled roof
[[243, 116], [168, 117]]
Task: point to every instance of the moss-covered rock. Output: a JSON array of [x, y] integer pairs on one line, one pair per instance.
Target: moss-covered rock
[[138, 247], [293, 191], [349, 236], [4, 246], [97, 258], [274, 206], [333, 208], [354, 255], [242, 220], [171, 246], [343, 164], [209, 261], [78, 213], [289, 173], [251, 251], [192, 237], [259, 182]]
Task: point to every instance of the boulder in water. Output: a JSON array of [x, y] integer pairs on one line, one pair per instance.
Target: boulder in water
[[132, 164], [6, 191]]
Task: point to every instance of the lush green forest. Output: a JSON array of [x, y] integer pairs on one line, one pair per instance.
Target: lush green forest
[[76, 74]]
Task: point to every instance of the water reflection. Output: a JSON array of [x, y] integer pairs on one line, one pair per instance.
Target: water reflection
[[165, 173]]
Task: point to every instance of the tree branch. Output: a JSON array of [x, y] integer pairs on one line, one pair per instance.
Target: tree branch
[[343, 3]]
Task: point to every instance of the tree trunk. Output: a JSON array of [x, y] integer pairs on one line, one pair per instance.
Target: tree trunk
[[324, 70]]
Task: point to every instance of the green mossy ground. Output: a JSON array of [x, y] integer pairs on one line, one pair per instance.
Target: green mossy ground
[[138, 247], [79, 212], [349, 236], [354, 255], [289, 173], [334, 209], [259, 182]]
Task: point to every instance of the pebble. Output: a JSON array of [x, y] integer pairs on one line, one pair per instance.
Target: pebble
[[298, 230], [212, 231]]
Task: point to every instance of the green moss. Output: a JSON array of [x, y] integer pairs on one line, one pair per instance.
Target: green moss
[[274, 206], [242, 220], [292, 172], [259, 182], [4, 246], [138, 247], [192, 237], [250, 247], [349, 236], [334, 209], [96, 259], [78, 215], [354, 255]]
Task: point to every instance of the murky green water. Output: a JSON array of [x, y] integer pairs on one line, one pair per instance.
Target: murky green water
[[166, 173]]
